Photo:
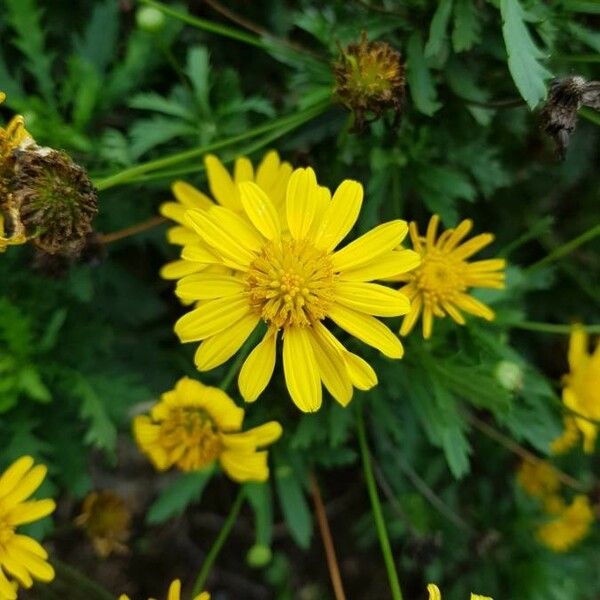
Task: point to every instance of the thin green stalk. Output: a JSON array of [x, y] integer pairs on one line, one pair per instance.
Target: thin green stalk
[[237, 363], [578, 58], [93, 590], [218, 28], [218, 543], [384, 541], [567, 247], [130, 173], [590, 114], [555, 328]]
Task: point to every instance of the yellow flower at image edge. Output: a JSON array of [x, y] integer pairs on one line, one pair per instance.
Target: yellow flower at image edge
[[581, 394], [285, 272], [569, 527], [194, 425], [22, 559], [435, 594], [271, 175], [439, 286], [175, 593]]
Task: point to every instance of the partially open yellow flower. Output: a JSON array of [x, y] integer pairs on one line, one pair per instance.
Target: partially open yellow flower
[[435, 594], [286, 273], [569, 527], [175, 593], [271, 175], [22, 559], [195, 425], [581, 394], [440, 285]]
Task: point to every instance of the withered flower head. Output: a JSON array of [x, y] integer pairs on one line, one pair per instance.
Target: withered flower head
[[55, 199], [106, 519], [369, 79], [558, 116]]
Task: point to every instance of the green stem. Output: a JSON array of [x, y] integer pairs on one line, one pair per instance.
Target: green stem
[[549, 327], [384, 541], [81, 582], [218, 543], [567, 247], [241, 357], [127, 175], [218, 28]]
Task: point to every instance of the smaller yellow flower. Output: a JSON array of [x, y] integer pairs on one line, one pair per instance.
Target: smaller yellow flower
[[194, 425], [175, 593], [581, 394], [569, 527], [22, 559], [440, 284], [271, 176], [538, 478], [106, 519], [435, 594]]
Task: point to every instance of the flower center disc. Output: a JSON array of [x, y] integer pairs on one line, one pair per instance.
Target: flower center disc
[[440, 277], [189, 436], [291, 283]]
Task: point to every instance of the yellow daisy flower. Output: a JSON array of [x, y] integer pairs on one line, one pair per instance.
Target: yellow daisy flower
[[194, 425], [538, 479], [22, 559], [271, 175], [570, 526], [435, 594], [439, 286], [287, 274], [581, 394], [175, 593]]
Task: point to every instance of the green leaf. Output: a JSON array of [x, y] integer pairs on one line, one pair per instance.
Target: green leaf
[[438, 29], [31, 383], [293, 505], [260, 498], [523, 55], [157, 103], [198, 70], [420, 84], [467, 27], [175, 498]]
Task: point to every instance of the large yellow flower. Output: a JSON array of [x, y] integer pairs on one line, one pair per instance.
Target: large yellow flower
[[271, 175], [286, 273], [194, 425], [435, 594], [569, 527], [581, 394], [22, 559], [440, 285], [175, 593]]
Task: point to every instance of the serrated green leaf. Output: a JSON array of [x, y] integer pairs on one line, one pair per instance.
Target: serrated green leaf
[[293, 505], [467, 26], [31, 384], [420, 83], [438, 30], [157, 103], [175, 498], [527, 72]]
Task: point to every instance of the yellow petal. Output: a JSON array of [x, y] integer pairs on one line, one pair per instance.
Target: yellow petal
[[257, 370], [190, 197], [243, 170], [25, 486], [221, 347], [387, 266], [455, 236], [211, 318], [241, 466], [28, 512], [369, 246], [272, 176], [173, 211], [301, 202], [175, 590], [8, 590], [248, 441], [220, 183], [199, 253], [11, 477], [340, 215], [301, 370], [332, 368], [368, 329], [412, 317], [434, 592], [361, 373], [267, 433], [372, 298], [207, 286], [473, 246], [578, 347], [180, 268], [182, 236], [474, 306], [260, 210]]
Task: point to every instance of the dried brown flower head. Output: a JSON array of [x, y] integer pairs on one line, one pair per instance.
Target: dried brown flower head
[[558, 116], [55, 199], [369, 79], [106, 519]]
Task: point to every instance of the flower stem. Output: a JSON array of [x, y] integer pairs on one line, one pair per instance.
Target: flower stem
[[557, 328], [218, 543], [567, 247], [294, 120], [384, 541], [74, 578], [121, 234]]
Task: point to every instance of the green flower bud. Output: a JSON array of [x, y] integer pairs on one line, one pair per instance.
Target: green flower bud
[[259, 556], [150, 19], [509, 375]]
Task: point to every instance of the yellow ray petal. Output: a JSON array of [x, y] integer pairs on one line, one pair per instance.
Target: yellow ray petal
[[474, 306], [578, 347], [412, 317], [257, 370], [243, 170], [387, 266], [242, 466], [220, 183], [180, 268], [13, 475], [301, 370], [372, 298], [473, 246], [207, 286], [25, 486], [260, 210], [434, 592], [189, 196], [301, 202], [27, 512]]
